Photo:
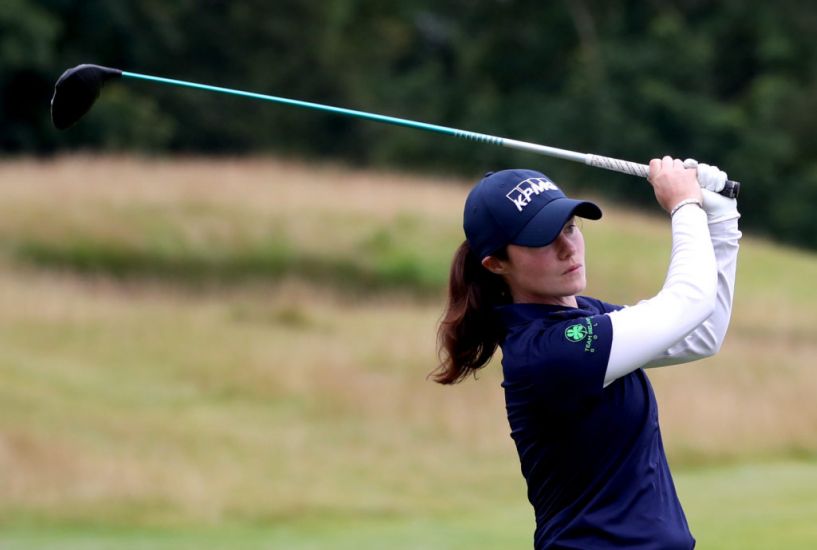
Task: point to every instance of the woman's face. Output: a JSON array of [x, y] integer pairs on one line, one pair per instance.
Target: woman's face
[[552, 274]]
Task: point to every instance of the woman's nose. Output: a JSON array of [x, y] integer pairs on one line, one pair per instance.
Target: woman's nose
[[566, 248]]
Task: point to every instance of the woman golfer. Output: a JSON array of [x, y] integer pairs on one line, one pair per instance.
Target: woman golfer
[[580, 407]]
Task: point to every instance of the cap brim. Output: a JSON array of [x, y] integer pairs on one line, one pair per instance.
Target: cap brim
[[545, 226]]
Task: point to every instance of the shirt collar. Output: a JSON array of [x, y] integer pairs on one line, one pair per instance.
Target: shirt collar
[[522, 314]]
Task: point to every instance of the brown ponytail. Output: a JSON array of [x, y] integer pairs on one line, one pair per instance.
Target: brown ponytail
[[470, 330]]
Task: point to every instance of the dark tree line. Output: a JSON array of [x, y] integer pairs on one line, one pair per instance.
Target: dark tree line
[[731, 83]]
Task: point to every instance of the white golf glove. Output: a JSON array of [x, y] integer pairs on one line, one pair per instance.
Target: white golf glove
[[709, 177]]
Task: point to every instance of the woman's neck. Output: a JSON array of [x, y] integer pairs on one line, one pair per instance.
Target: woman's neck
[[565, 301]]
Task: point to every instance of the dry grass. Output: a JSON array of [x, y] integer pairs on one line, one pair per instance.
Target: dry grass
[[261, 404]]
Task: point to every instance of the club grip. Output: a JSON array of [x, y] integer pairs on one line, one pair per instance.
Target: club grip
[[731, 189]]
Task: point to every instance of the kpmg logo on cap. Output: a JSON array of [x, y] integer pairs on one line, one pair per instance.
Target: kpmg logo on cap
[[521, 195]]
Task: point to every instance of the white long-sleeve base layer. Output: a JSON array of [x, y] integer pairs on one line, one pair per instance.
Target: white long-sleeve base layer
[[688, 318]]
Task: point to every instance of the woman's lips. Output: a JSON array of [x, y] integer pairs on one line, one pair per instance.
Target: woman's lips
[[572, 269]]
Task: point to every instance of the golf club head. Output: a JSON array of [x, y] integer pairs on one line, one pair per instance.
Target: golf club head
[[76, 91]]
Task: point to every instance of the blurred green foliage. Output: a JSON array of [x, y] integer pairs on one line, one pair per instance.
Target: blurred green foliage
[[730, 83]]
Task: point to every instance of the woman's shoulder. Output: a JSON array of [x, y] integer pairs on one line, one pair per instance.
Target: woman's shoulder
[[558, 357], [563, 340]]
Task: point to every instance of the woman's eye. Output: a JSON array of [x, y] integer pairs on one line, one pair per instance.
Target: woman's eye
[[570, 228]]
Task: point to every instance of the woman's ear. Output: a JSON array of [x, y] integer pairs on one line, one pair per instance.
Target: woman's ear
[[494, 265]]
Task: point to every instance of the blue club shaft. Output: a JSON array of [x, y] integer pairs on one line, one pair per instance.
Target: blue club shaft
[[326, 108], [455, 132]]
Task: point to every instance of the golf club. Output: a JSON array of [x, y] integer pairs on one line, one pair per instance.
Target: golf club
[[78, 88]]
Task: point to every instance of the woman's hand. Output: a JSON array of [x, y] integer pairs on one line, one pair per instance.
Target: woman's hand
[[673, 183]]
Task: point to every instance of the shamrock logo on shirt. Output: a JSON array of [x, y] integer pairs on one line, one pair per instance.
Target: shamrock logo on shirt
[[575, 333]]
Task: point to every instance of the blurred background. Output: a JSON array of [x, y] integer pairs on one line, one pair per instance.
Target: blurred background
[[217, 314]]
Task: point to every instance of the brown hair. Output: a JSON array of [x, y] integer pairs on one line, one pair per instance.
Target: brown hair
[[470, 330]]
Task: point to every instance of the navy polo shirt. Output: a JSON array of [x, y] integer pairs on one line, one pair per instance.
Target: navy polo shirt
[[592, 457]]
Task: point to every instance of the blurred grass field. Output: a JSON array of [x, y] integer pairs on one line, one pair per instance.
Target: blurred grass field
[[201, 353]]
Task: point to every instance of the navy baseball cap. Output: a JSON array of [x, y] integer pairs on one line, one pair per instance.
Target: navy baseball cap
[[521, 207]]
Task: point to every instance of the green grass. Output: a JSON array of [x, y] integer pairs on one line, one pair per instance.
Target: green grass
[[747, 506], [740, 507], [233, 354], [493, 531]]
